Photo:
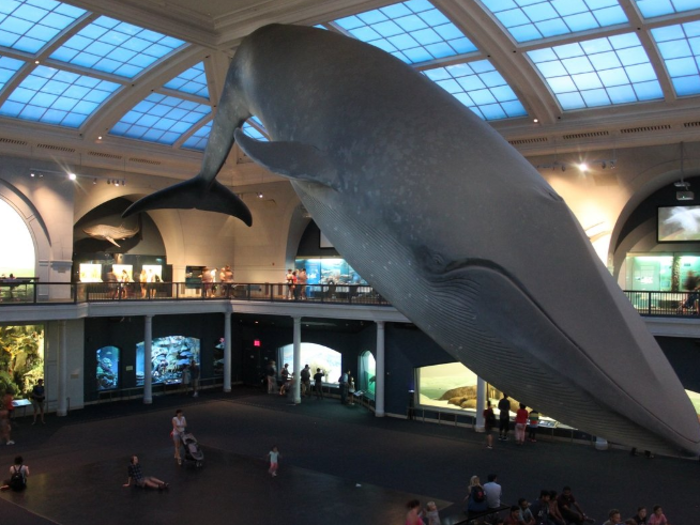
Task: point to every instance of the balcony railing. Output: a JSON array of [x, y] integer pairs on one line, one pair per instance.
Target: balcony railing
[[29, 293], [647, 303]]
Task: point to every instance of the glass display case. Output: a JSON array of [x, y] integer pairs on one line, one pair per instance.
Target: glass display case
[[107, 373], [169, 357]]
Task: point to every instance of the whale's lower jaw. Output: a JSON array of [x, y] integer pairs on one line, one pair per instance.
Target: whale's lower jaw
[[485, 320]]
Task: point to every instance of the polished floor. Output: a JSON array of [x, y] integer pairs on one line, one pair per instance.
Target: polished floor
[[339, 465]]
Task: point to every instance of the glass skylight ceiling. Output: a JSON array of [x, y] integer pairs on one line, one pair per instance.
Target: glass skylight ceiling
[[653, 8], [27, 25], [481, 88], [198, 139], [160, 118], [679, 46], [600, 72], [528, 20], [413, 31], [53, 96], [254, 132], [8, 68], [193, 81], [116, 47]]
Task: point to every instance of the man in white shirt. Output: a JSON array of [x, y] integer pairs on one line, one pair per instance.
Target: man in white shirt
[[493, 492]]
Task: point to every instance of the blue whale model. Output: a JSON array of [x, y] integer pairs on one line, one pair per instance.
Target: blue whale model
[[451, 224]]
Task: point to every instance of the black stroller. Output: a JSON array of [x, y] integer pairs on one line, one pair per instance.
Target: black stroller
[[192, 450]]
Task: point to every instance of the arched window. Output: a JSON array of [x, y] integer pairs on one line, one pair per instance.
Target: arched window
[[18, 255]]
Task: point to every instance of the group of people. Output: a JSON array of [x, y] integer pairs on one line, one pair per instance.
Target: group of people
[[524, 422], [209, 288], [7, 406], [282, 386], [296, 284], [119, 285]]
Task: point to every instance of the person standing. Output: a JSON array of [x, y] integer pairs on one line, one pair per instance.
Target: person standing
[[290, 284], [179, 426], [413, 517], [318, 383], [489, 423], [143, 282], [194, 373], [271, 373], [343, 383], [305, 376], [273, 456], [351, 389], [5, 426], [520, 424], [284, 375], [533, 424], [431, 514], [504, 418], [38, 397], [302, 279]]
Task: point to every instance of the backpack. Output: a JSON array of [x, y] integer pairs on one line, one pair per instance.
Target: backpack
[[17, 479], [478, 494]]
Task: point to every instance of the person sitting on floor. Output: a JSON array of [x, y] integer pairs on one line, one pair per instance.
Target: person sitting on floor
[[476, 496], [19, 472], [136, 475]]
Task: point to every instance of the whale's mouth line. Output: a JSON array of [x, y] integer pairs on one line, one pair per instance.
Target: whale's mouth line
[[455, 268]]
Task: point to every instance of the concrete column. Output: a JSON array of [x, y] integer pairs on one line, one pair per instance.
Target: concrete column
[[381, 374], [296, 388], [62, 408], [147, 360], [227, 352], [480, 404]]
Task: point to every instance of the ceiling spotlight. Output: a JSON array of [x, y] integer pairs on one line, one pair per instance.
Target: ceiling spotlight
[[563, 167], [123, 182], [95, 181], [535, 120], [612, 165], [109, 181], [260, 195], [99, 138], [603, 165], [72, 176], [37, 62], [116, 183], [32, 174], [583, 166]]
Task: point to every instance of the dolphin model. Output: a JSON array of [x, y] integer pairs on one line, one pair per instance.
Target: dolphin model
[[452, 225], [104, 232]]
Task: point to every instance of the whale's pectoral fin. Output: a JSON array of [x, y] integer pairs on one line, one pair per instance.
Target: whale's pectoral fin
[[108, 238], [194, 193], [293, 160]]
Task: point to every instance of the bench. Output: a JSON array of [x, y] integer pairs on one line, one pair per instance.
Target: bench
[[455, 514]]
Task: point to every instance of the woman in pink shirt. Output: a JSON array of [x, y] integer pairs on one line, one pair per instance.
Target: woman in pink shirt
[[657, 517], [520, 424]]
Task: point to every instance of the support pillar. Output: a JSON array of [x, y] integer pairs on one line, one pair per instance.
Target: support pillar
[[147, 360], [62, 408], [227, 352], [381, 374], [480, 424], [296, 387]]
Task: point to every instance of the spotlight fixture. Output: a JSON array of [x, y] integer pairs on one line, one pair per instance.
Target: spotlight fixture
[[535, 120], [72, 176], [563, 167], [95, 181], [32, 174], [116, 183], [109, 181], [603, 165], [260, 195], [123, 182], [583, 166]]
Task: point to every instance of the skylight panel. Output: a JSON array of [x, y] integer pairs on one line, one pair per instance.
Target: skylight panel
[[600, 72], [193, 81], [52, 96], [413, 31], [480, 87], [116, 47], [8, 68], [160, 118], [199, 138], [254, 132], [528, 20], [27, 25], [654, 8], [679, 46]]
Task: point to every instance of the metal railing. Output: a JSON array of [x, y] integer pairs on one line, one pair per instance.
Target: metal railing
[[74, 293], [668, 304]]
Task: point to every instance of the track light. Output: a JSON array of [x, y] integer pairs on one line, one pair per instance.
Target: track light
[[116, 183]]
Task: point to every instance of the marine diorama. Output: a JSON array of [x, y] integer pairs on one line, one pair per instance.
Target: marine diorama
[[107, 373], [368, 374], [316, 356], [21, 358], [169, 357]]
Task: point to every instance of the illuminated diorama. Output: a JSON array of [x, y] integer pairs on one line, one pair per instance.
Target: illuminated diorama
[[169, 356], [107, 373], [328, 270], [316, 356], [368, 374], [90, 273], [17, 256], [21, 358]]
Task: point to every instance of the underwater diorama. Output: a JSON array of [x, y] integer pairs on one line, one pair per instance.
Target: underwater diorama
[[107, 374], [169, 357], [316, 356], [21, 358]]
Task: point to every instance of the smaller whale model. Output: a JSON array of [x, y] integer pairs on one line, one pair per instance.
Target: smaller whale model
[[104, 232], [449, 223]]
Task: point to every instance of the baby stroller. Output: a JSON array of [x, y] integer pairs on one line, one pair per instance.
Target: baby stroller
[[192, 450]]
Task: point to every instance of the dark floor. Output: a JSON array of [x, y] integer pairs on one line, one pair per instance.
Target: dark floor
[[339, 465]]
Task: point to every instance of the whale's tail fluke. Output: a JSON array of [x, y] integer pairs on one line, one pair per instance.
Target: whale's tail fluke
[[195, 193]]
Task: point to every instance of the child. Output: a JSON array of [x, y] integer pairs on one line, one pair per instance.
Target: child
[[273, 455], [431, 514], [533, 423]]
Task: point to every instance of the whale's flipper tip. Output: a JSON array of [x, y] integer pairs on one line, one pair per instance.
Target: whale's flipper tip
[[193, 194]]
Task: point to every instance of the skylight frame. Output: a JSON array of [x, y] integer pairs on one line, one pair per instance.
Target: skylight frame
[[161, 119], [198, 140], [115, 47], [192, 81], [678, 46], [650, 9], [480, 87], [414, 31], [600, 72], [528, 21]]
